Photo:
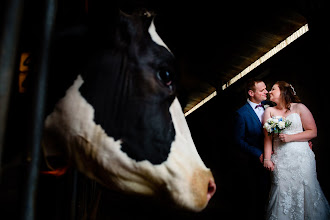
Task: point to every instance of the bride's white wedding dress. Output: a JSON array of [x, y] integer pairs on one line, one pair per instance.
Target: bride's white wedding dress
[[295, 192]]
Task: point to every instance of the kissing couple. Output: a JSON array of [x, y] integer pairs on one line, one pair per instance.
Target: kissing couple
[[288, 188]]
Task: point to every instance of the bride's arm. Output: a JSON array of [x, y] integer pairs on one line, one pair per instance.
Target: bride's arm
[[308, 122], [267, 143]]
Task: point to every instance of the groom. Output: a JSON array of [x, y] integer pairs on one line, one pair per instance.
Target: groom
[[250, 138]]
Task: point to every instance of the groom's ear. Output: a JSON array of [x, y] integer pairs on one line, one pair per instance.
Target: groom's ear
[[251, 93]]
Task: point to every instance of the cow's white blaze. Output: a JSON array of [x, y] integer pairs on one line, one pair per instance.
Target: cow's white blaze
[[183, 175], [155, 37]]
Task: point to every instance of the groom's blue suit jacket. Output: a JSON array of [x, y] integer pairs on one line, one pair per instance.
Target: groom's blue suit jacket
[[248, 131]]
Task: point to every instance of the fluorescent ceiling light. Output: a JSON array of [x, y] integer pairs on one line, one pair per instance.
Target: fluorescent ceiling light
[[268, 55], [255, 64]]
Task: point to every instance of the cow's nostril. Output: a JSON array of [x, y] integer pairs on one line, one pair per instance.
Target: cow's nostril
[[211, 189]]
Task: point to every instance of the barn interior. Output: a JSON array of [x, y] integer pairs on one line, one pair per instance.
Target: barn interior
[[212, 42]]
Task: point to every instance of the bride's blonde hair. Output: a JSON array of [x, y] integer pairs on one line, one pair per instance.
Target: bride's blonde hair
[[288, 94]]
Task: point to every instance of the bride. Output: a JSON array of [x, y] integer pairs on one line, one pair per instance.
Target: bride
[[295, 191]]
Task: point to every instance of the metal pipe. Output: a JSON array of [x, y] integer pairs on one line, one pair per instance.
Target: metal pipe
[[8, 53], [37, 115], [73, 198]]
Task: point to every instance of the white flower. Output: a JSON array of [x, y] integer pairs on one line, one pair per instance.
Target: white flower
[[281, 125], [268, 127], [266, 106]]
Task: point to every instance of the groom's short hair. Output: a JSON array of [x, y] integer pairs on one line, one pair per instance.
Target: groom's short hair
[[251, 85]]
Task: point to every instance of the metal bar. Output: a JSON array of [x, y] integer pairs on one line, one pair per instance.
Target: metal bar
[[37, 115], [73, 203], [8, 53]]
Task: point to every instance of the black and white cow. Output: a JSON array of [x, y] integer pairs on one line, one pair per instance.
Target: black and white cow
[[120, 122]]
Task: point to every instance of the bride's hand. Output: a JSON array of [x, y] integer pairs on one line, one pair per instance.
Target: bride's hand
[[269, 165], [284, 138]]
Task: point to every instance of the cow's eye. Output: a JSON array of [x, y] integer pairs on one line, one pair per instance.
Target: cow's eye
[[166, 77]]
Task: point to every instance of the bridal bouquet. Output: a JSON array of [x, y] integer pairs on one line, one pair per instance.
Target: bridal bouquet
[[276, 124]]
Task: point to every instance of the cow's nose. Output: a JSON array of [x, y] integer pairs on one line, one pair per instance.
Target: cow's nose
[[211, 189]]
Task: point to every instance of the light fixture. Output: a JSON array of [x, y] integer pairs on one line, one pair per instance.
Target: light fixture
[[255, 64]]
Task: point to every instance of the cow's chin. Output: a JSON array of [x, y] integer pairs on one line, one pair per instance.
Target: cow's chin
[[183, 176], [192, 183]]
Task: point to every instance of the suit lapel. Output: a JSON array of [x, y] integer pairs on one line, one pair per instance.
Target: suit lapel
[[253, 114]]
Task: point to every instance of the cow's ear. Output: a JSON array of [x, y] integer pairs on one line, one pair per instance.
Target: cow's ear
[[127, 28], [133, 26], [146, 18]]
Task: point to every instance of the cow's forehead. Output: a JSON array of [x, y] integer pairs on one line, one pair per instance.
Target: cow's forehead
[[155, 37]]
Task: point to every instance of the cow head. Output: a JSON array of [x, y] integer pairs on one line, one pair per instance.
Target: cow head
[[120, 121]]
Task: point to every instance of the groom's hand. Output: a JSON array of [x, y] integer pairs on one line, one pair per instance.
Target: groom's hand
[[310, 145], [261, 158]]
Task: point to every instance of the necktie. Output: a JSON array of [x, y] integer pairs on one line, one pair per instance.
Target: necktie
[[261, 105]]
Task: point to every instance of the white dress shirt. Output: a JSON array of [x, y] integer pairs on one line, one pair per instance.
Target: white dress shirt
[[259, 111]]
